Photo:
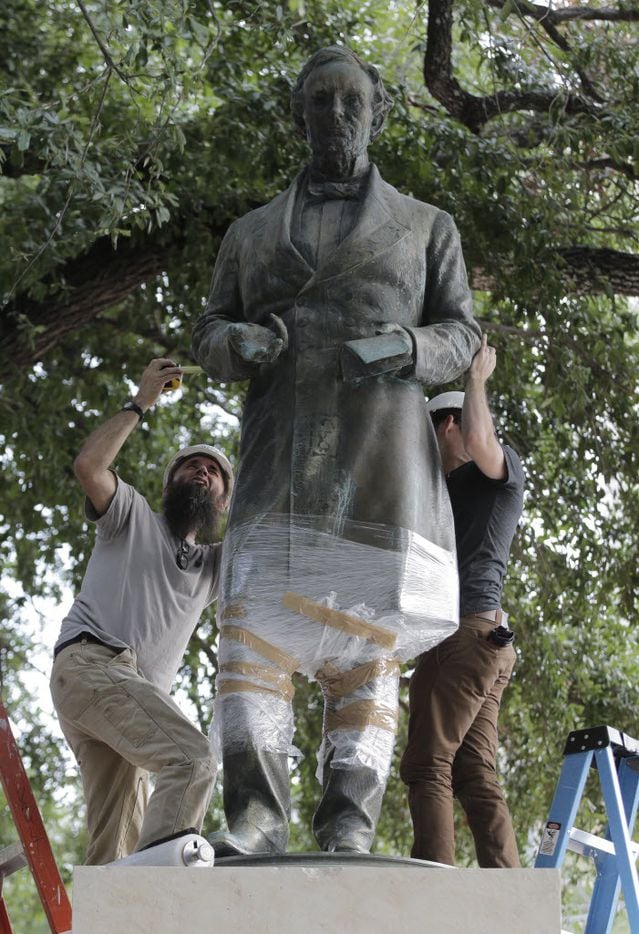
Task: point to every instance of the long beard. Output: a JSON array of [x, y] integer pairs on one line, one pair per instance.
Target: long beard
[[336, 161], [335, 156], [188, 508]]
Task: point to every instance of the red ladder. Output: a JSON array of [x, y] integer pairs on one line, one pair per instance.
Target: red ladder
[[35, 849]]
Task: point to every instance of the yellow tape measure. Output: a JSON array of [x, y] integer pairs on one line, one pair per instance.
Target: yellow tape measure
[[176, 382]]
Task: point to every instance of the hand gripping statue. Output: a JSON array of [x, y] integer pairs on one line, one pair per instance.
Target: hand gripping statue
[[339, 300]]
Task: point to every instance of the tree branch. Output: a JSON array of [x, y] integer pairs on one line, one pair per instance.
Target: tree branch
[[217, 398], [583, 270], [567, 14], [93, 282], [202, 645], [61, 214], [105, 52], [599, 269], [607, 163], [28, 165], [471, 110], [426, 108], [576, 347], [528, 137]]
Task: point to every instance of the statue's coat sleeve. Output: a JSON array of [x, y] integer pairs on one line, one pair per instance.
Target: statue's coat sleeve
[[449, 336], [211, 346]]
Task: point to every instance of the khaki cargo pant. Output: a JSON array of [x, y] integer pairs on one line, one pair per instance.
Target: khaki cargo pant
[[454, 698], [120, 727]]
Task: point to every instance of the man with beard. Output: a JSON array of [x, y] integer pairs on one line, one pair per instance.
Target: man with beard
[[339, 300], [120, 645]]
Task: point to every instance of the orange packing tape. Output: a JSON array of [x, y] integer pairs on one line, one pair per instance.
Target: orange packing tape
[[248, 687], [273, 676], [359, 715], [339, 620], [261, 646], [234, 611], [338, 683]]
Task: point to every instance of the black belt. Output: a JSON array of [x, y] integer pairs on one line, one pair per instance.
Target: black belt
[[82, 637]]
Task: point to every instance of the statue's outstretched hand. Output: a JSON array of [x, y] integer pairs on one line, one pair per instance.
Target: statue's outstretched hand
[[254, 343]]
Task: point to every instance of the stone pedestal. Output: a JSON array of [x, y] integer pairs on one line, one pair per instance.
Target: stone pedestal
[[314, 893]]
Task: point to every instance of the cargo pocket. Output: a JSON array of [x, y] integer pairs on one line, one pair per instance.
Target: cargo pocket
[[70, 699], [126, 722]]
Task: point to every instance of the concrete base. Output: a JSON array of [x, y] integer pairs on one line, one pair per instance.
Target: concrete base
[[316, 896]]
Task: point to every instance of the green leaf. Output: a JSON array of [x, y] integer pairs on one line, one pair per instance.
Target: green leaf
[[23, 138]]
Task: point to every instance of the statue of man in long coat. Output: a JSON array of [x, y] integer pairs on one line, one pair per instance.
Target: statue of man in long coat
[[339, 300]]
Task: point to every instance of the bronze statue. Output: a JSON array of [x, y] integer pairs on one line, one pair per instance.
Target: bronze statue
[[338, 300]]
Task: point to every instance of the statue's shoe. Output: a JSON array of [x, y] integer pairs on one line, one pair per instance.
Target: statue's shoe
[[345, 846], [229, 844]]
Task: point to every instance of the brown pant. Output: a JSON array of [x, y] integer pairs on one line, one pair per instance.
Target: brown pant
[[455, 693], [120, 727]]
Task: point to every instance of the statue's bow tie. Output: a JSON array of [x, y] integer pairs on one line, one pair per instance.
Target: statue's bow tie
[[352, 190]]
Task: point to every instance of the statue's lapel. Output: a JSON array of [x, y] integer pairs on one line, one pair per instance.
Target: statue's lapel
[[379, 227], [276, 240]]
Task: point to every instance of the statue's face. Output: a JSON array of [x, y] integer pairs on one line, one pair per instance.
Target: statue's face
[[338, 110]]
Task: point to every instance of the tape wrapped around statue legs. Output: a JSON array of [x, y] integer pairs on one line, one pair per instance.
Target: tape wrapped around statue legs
[[297, 597]]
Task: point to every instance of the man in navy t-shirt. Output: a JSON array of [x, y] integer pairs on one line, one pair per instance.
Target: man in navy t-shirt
[[456, 689]]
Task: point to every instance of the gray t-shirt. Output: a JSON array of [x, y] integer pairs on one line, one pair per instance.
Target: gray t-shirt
[[486, 515], [134, 595]]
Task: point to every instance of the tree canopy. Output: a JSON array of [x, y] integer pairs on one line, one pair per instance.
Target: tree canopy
[[132, 133]]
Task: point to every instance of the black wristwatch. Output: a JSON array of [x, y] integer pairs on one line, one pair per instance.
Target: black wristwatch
[[131, 406]]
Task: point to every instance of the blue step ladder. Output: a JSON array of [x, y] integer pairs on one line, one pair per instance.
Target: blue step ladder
[[615, 755]]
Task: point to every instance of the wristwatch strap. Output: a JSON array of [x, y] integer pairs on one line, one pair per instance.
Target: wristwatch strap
[[131, 406]]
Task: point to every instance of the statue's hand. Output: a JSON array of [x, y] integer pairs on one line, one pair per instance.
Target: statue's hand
[[280, 330], [390, 352], [254, 343]]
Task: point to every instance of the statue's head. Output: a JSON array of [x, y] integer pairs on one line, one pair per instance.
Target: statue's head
[[339, 101]]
